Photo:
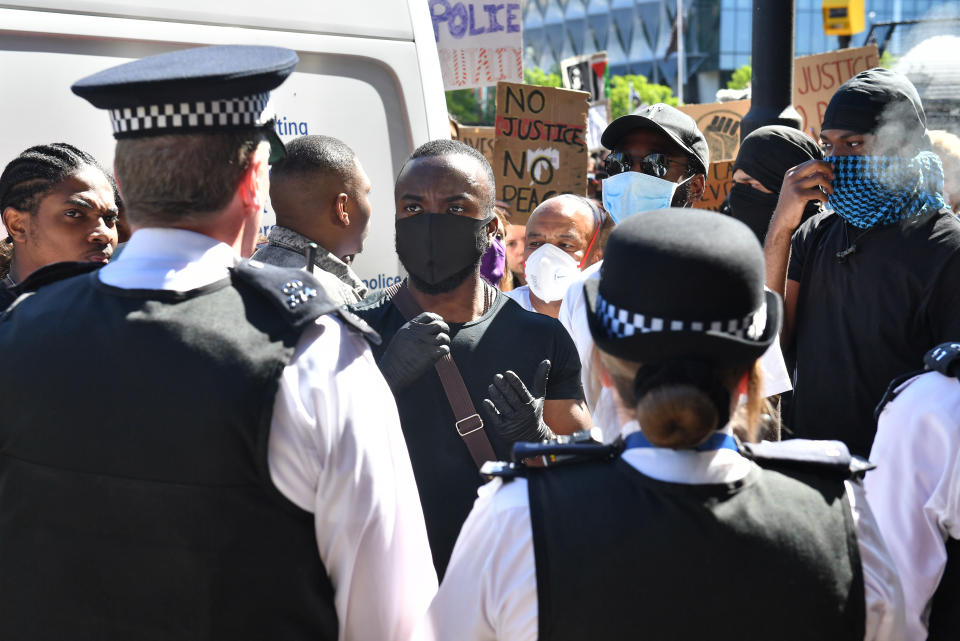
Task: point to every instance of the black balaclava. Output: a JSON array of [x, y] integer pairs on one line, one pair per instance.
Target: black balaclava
[[766, 155], [880, 102]]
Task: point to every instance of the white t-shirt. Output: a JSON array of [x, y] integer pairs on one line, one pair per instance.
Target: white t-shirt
[[522, 296]]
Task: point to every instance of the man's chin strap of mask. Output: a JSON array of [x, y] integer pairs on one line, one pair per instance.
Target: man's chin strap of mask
[[586, 254]]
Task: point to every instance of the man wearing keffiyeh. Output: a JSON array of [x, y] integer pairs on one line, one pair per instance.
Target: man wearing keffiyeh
[[870, 284]]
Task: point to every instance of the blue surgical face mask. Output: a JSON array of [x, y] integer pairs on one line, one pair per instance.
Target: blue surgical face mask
[[631, 192]]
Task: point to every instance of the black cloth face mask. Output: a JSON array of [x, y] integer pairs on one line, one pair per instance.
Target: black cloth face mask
[[434, 247], [755, 208]]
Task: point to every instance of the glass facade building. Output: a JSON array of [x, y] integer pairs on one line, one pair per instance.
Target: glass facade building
[[718, 33]]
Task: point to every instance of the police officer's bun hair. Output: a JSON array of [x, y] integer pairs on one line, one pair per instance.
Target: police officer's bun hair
[[681, 405]]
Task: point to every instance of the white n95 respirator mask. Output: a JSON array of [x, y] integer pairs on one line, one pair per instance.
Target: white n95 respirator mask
[[631, 192], [549, 271]]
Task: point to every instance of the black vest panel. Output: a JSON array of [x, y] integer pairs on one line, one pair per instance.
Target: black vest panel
[[135, 496], [621, 556], [945, 608]]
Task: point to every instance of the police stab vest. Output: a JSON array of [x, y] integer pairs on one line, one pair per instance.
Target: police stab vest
[[620, 555], [135, 497]]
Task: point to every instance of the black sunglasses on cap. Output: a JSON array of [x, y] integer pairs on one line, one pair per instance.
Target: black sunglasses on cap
[[656, 164]]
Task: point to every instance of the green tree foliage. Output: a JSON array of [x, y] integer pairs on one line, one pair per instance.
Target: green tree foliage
[[537, 76], [468, 109], [619, 94], [740, 78], [888, 60]]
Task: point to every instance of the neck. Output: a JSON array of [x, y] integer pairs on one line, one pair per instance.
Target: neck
[[463, 304], [548, 309], [18, 271]]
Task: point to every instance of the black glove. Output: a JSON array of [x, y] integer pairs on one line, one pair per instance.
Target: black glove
[[415, 347], [513, 412]]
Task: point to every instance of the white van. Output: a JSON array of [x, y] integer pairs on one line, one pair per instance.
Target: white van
[[368, 74]]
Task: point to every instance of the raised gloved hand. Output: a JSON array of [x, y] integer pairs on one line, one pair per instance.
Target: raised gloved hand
[[416, 346], [512, 411]]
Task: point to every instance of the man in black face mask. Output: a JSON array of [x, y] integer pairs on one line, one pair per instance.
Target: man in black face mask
[[764, 157], [445, 197]]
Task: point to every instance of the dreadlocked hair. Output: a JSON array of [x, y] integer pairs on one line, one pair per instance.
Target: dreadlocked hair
[[32, 174]]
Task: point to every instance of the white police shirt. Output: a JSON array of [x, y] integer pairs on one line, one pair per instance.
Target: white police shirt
[[490, 589], [573, 316], [915, 490], [335, 447]]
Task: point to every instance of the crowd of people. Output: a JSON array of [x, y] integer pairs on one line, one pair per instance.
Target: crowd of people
[[623, 417]]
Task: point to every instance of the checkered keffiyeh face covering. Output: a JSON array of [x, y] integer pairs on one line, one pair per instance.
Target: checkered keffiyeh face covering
[[873, 191]]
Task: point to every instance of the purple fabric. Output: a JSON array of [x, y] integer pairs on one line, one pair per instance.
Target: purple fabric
[[493, 262]]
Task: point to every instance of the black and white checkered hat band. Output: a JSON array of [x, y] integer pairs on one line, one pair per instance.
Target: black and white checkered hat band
[[249, 111], [621, 323]]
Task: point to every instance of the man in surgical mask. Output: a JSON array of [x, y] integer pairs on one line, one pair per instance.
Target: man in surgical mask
[[870, 284], [659, 159], [520, 370], [564, 235]]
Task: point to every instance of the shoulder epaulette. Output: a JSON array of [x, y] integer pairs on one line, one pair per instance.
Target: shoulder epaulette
[[294, 292], [359, 325], [831, 458], [562, 450], [944, 358]]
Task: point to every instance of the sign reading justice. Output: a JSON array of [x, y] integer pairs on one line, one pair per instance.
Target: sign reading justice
[[816, 78], [540, 146]]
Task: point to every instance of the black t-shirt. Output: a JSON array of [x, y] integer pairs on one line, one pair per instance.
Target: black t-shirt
[[506, 337], [868, 318]]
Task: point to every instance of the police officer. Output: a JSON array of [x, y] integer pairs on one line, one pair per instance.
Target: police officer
[[194, 446], [915, 492], [670, 533]]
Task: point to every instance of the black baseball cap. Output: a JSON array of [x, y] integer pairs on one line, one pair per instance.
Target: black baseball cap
[[669, 121]]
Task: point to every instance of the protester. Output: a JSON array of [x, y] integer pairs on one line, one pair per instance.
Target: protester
[[765, 156], [222, 460], [58, 204], [445, 199], [871, 282], [679, 317], [563, 237], [659, 159], [914, 493], [515, 242], [947, 146], [320, 194]]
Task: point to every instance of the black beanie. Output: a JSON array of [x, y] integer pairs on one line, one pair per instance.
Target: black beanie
[[875, 98]]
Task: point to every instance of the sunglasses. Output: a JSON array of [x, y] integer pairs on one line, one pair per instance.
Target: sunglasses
[[656, 164]]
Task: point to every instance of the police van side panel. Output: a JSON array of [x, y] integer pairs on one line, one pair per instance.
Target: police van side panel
[[368, 74]]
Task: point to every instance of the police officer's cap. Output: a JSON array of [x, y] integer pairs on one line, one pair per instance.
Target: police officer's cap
[[682, 283], [206, 89]]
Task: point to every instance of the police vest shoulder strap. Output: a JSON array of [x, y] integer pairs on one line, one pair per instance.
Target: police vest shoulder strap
[[468, 424]]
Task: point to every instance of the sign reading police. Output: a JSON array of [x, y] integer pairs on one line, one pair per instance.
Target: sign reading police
[[540, 147], [479, 43]]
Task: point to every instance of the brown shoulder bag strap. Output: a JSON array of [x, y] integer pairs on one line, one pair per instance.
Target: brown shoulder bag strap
[[468, 424]]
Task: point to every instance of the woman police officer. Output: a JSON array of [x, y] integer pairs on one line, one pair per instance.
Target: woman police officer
[[678, 531]]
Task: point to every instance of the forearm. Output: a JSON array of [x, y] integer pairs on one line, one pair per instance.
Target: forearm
[[776, 254]]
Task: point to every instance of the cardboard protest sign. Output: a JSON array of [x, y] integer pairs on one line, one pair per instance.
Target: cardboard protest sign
[[720, 124], [540, 148], [480, 138], [586, 73], [817, 77], [479, 42], [719, 181]]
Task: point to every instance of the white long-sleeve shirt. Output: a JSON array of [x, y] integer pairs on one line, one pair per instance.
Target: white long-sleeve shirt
[[915, 490], [489, 592], [335, 447]]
